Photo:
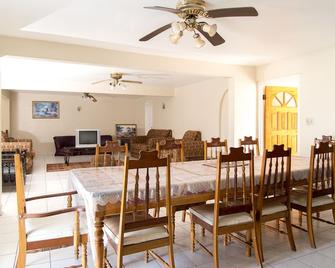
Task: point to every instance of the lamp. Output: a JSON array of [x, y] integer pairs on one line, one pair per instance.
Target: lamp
[[178, 26], [174, 38], [199, 43], [210, 29]]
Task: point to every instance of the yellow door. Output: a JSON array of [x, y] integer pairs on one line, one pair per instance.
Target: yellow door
[[281, 117]]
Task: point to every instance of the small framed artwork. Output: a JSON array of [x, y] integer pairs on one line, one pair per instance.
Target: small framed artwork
[[125, 130], [45, 109]]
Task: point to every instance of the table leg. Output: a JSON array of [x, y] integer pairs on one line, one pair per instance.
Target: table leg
[[99, 241], [66, 159]]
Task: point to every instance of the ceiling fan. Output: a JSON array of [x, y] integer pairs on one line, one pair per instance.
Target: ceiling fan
[[116, 79], [189, 11], [88, 96]]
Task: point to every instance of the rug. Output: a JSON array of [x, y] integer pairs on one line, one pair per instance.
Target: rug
[[64, 167]]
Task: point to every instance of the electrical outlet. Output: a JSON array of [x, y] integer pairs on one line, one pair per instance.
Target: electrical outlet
[[309, 121]]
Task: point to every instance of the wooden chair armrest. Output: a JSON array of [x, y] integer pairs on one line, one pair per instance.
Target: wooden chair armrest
[[52, 213], [50, 196]]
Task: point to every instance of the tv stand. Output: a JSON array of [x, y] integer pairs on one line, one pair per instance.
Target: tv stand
[[71, 151]]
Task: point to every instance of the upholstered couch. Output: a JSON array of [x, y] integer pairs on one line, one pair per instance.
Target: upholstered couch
[[9, 144], [193, 145], [70, 141], [148, 142]]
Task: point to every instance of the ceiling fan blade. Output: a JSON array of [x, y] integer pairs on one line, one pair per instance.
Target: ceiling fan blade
[[101, 81], [216, 40], [232, 12], [167, 9], [156, 32], [131, 81]]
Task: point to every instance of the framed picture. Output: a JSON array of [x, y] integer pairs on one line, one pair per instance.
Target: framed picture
[[45, 109], [125, 130]]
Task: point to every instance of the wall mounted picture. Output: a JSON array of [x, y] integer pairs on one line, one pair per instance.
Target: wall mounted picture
[[125, 130], [45, 109]]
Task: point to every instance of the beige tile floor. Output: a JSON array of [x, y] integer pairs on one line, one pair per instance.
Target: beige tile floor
[[276, 248]]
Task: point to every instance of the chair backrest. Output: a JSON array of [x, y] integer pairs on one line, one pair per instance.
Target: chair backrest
[[321, 177], [249, 144], [214, 147], [155, 133], [324, 138], [192, 135], [145, 192], [110, 154], [20, 197], [235, 171], [275, 180], [172, 148]]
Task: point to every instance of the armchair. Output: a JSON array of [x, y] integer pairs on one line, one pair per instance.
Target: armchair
[[193, 145], [149, 141]]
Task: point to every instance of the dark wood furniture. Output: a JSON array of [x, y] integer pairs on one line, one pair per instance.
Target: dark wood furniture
[[274, 191], [249, 144], [112, 154], [135, 230], [232, 210], [49, 230], [320, 194], [8, 167], [215, 146]]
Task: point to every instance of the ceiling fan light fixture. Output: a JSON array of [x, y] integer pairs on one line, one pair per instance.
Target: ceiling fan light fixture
[[174, 38], [210, 29], [199, 43]]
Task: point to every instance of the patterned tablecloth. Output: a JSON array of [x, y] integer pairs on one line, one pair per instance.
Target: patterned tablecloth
[[99, 186]]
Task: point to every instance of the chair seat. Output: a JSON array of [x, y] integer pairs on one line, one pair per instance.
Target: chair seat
[[62, 225], [272, 208], [133, 237], [206, 213], [301, 199]]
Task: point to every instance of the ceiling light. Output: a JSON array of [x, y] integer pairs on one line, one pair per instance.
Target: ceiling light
[[210, 29], [199, 43], [174, 38]]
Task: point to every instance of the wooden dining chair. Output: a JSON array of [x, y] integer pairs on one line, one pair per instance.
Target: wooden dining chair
[[320, 194], [48, 230], [110, 155], [249, 144], [324, 138], [236, 213], [274, 190], [135, 230], [214, 147], [172, 148]]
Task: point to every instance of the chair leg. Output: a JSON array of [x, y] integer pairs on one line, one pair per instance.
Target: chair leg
[[76, 235], [300, 218], [333, 215], [183, 216], [310, 229], [21, 259], [290, 232], [173, 225], [257, 248], [192, 234], [278, 225], [84, 255], [258, 232], [203, 231], [248, 240], [216, 251], [146, 256], [119, 261], [171, 254]]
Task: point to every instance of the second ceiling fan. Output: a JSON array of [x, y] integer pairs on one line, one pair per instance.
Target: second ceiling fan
[[189, 11]]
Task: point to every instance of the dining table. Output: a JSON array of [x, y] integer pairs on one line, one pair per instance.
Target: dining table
[[100, 189]]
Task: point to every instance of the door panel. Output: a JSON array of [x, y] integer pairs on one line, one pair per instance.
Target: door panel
[[281, 125]]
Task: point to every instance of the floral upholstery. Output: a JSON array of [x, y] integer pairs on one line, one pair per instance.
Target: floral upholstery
[[12, 145], [148, 142], [193, 145]]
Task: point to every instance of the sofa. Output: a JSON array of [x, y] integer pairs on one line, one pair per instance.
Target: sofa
[[149, 141], [193, 145], [9, 144], [70, 141]]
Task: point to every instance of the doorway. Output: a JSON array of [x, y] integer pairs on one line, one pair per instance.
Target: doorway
[[281, 117]]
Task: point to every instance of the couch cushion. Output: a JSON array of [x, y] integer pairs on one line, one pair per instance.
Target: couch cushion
[[53, 227], [192, 135], [301, 199], [206, 213], [153, 133], [134, 237]]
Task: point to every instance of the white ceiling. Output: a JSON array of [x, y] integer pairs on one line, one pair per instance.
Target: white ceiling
[[36, 74], [283, 29]]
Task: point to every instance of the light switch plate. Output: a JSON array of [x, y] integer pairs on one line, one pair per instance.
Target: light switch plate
[[309, 121]]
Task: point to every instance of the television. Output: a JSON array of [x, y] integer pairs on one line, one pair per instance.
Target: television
[[87, 138]]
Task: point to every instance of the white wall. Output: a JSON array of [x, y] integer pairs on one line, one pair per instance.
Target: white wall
[[316, 73], [5, 110], [103, 115], [194, 107]]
